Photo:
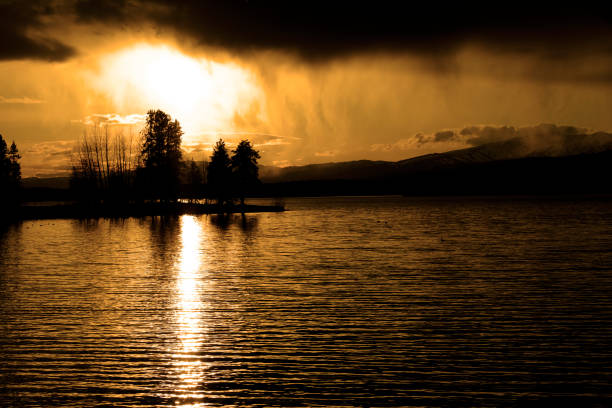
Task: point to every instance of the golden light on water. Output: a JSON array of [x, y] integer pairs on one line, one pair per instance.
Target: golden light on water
[[190, 307], [203, 94]]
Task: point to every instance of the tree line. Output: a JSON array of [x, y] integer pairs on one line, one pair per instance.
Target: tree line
[[10, 175], [114, 168]]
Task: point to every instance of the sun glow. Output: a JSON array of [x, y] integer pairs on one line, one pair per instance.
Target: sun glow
[[202, 94]]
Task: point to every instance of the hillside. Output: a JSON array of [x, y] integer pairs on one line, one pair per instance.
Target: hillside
[[516, 148]]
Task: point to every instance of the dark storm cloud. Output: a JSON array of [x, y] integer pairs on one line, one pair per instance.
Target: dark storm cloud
[[108, 10], [19, 22], [506, 142], [543, 139], [318, 30], [323, 29], [479, 135], [444, 136]]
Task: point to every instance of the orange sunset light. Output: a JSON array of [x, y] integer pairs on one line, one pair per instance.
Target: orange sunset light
[[204, 94]]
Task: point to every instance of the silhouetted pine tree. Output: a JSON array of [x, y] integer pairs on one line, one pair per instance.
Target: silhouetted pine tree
[[159, 175], [194, 180], [219, 173], [10, 174], [15, 167], [244, 167]]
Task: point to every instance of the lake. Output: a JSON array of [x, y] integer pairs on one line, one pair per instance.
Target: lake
[[353, 301]]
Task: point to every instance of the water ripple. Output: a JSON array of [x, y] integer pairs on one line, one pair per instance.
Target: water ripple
[[338, 302]]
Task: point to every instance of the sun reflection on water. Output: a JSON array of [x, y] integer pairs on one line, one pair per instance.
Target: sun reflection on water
[[190, 305]]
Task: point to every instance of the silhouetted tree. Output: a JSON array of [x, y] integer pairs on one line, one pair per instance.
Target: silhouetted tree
[[15, 167], [10, 174], [244, 167], [103, 166], [219, 173], [161, 156], [195, 174], [204, 171], [194, 179]]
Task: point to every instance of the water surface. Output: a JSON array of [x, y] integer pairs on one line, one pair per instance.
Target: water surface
[[383, 301]]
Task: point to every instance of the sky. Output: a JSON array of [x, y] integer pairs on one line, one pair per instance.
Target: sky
[[305, 81]]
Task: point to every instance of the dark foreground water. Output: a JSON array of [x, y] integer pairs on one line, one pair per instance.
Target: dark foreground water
[[338, 302]]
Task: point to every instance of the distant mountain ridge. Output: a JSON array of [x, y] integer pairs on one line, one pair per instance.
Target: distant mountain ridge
[[515, 148]]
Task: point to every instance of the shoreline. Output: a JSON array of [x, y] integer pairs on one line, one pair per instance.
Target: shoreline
[[80, 211]]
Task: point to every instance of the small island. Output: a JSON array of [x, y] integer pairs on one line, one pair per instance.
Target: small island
[[114, 177]]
